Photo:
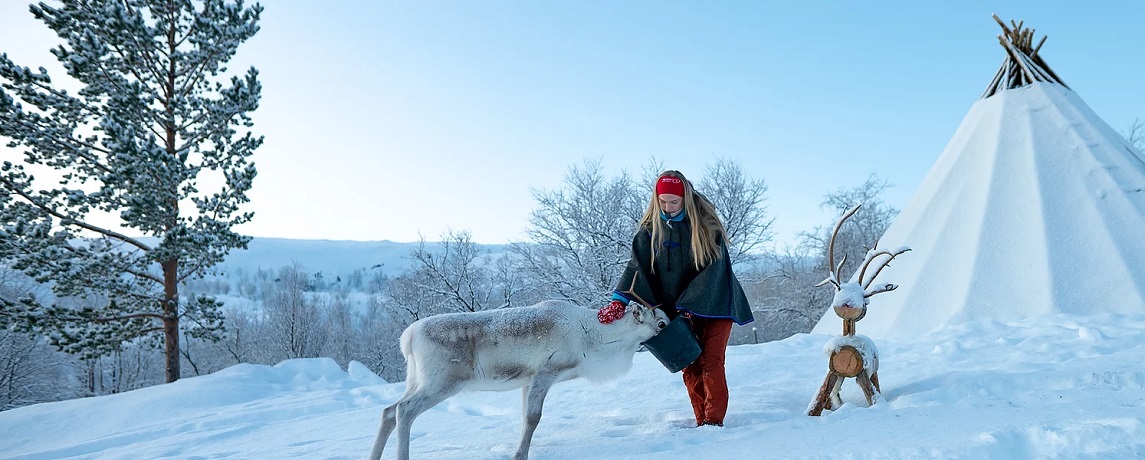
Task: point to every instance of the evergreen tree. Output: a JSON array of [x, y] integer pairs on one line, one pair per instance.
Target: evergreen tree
[[156, 121]]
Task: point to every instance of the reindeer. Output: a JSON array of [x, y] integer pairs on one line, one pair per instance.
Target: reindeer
[[526, 347], [852, 355]]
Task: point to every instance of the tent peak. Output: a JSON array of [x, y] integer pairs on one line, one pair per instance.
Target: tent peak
[[1023, 65]]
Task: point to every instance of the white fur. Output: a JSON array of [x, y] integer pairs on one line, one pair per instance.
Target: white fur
[[528, 347]]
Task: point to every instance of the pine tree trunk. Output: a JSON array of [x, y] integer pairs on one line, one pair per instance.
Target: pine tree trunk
[[171, 266], [171, 318]]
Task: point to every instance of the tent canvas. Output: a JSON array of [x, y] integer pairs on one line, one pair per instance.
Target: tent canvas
[[1036, 206]]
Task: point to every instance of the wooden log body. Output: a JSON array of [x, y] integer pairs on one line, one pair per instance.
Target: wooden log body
[[847, 361]]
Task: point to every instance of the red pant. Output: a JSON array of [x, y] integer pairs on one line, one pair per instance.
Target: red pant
[[707, 385]]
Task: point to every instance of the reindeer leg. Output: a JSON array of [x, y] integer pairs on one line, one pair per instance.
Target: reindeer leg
[[389, 417], [534, 398], [421, 399], [389, 421]]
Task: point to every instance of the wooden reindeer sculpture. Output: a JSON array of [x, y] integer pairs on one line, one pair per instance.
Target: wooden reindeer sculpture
[[852, 355]]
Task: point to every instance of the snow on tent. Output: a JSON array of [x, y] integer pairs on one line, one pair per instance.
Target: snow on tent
[[1035, 207]]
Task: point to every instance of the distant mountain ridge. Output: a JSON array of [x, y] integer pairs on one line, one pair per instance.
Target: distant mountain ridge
[[330, 257]]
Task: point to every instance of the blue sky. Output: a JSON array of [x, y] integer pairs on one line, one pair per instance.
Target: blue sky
[[388, 119]]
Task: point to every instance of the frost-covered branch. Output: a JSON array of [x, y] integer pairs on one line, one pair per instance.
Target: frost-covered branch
[[66, 220]]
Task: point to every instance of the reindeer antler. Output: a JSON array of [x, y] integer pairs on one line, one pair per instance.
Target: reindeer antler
[[632, 292]]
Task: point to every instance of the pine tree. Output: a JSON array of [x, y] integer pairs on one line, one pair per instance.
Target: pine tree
[[156, 121]]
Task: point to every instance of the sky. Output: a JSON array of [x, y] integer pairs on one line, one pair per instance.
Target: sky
[[392, 120], [1056, 386]]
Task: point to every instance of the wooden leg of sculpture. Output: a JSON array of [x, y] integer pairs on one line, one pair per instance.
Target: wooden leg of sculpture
[[868, 389], [824, 397], [875, 380], [836, 401]]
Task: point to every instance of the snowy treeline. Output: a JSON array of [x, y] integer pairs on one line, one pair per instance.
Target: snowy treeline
[[580, 236]]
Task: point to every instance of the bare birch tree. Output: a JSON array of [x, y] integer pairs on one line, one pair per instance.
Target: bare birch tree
[[866, 226], [1136, 135], [455, 272], [581, 234], [740, 203], [293, 321]]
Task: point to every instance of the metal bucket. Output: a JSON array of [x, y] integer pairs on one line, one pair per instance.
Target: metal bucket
[[676, 346]]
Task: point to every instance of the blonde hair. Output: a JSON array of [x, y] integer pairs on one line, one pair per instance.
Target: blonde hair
[[705, 224]]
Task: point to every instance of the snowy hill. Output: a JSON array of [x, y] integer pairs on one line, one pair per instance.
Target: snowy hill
[[1051, 387], [327, 256]]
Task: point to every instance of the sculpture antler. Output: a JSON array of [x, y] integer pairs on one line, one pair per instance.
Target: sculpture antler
[[878, 258], [850, 301], [833, 269], [872, 255]]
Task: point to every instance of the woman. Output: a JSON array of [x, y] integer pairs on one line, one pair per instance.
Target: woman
[[680, 263]]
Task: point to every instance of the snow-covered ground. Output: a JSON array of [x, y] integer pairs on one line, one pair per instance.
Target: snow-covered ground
[[1055, 386]]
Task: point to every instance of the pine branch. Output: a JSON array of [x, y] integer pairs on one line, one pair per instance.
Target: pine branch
[[113, 319], [145, 51], [65, 220]]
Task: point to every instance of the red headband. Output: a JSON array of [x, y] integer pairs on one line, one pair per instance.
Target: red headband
[[670, 185]]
